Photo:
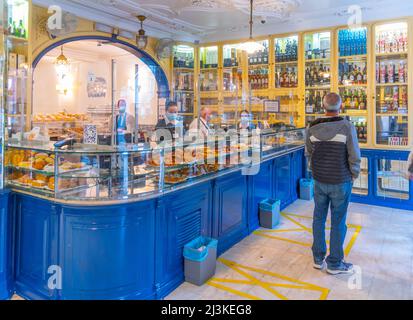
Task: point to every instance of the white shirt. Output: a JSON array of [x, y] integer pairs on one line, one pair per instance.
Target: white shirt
[[203, 124]]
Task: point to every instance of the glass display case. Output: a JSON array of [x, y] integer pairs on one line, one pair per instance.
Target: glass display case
[[273, 141], [258, 68], [317, 56], [286, 62], [392, 81], [83, 172], [183, 78]]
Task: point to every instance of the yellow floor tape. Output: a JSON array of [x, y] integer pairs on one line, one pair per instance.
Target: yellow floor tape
[[271, 286], [303, 228], [266, 285]]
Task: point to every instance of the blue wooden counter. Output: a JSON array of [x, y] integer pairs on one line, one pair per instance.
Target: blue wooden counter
[[6, 279], [134, 250]]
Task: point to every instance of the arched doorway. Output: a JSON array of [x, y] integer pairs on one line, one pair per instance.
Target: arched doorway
[[154, 66], [100, 73]]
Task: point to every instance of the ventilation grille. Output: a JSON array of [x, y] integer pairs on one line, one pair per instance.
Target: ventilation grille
[[187, 229]]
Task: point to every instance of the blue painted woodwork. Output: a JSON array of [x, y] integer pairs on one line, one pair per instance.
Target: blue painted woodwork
[[261, 187], [373, 197], [230, 223], [134, 250], [6, 283], [181, 217], [283, 177]]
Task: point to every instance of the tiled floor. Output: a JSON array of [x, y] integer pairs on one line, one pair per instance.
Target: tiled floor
[[278, 265]]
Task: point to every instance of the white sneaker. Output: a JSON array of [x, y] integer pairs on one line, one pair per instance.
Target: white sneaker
[[319, 265]]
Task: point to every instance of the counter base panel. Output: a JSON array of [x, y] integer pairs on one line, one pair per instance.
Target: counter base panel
[[134, 250], [384, 182], [6, 255]]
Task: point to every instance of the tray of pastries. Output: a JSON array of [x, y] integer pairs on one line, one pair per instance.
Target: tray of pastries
[[39, 161], [60, 116]]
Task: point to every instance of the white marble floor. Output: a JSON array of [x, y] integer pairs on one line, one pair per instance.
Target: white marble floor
[[278, 264]]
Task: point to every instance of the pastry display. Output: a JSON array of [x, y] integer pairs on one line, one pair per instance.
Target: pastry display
[[60, 116], [36, 170], [171, 158]]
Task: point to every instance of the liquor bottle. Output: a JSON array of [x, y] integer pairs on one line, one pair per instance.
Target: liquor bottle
[[309, 52], [16, 30], [310, 103], [359, 77], [277, 52], [383, 72], [390, 73], [265, 56], [23, 33], [365, 74], [10, 30], [402, 78], [395, 106], [294, 79], [363, 101], [277, 77]]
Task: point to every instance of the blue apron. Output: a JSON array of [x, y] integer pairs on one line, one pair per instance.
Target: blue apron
[[121, 124]]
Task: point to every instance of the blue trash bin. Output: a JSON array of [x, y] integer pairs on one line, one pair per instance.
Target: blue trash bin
[[306, 189], [270, 213], [200, 260]]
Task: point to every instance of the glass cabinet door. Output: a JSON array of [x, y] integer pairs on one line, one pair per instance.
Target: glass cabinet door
[[361, 185], [209, 69], [17, 68], [258, 68], [352, 77], [391, 181], [183, 78], [232, 68], [286, 62], [391, 70], [317, 72]]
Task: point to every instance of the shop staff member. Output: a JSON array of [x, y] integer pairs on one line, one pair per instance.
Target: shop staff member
[[171, 121], [203, 122], [245, 123], [125, 124], [334, 154]]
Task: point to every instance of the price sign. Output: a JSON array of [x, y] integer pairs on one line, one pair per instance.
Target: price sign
[[272, 106]]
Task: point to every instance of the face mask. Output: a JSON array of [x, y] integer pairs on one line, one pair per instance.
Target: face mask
[[122, 110], [245, 119], [171, 116]]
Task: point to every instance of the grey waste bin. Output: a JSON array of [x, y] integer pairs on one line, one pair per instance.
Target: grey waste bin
[[270, 213], [200, 260]]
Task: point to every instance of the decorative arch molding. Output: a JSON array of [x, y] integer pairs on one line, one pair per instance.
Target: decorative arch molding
[[145, 57]]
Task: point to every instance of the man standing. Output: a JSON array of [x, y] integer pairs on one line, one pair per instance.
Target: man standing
[[125, 124], [334, 156], [171, 122], [203, 127]]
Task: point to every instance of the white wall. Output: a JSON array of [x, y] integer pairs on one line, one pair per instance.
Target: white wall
[[46, 99], [147, 88]]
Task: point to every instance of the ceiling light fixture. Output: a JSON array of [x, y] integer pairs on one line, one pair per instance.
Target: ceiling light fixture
[[141, 38], [61, 63], [251, 45], [61, 60]]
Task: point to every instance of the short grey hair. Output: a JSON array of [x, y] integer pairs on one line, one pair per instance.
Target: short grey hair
[[332, 102]]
